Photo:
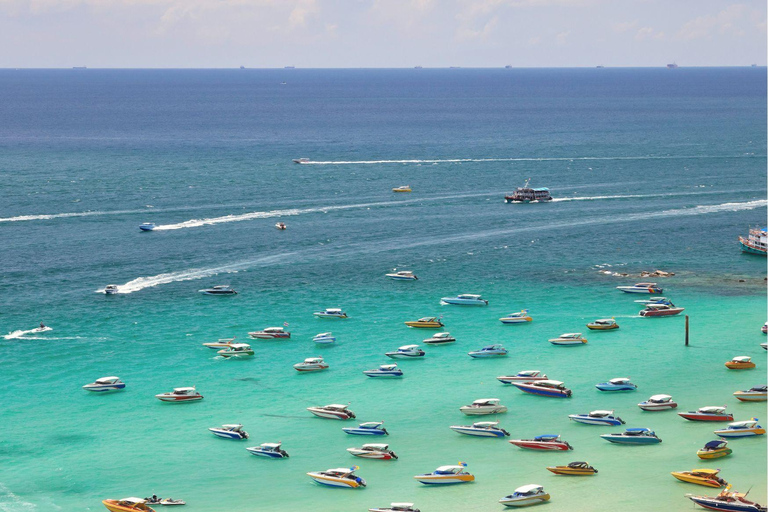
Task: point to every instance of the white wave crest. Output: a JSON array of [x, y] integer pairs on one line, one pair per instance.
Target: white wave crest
[[14, 335]]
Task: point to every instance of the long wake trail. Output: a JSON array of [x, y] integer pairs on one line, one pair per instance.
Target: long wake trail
[[519, 159]]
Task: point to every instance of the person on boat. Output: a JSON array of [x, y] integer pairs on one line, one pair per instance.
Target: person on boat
[[42, 325]]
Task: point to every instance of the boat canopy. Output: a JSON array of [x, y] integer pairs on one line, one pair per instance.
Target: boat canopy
[[760, 389], [549, 383], [441, 334], [274, 329], [571, 335], [371, 424], [133, 501], [334, 406], [742, 359], [271, 445], [547, 437], [638, 430], [600, 414], [528, 373], [529, 489], [428, 319], [713, 445], [341, 471], [712, 409], [388, 367], [485, 424], [183, 391], [620, 380], [107, 380], [486, 401], [376, 446], [497, 346], [470, 296], [401, 505], [742, 424], [314, 360], [660, 398], [449, 469], [406, 348], [578, 465], [233, 427]]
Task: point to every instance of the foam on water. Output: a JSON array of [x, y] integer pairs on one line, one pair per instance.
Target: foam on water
[[23, 334], [520, 159]]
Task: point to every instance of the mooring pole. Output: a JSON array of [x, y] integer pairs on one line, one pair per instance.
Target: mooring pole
[[686, 330]]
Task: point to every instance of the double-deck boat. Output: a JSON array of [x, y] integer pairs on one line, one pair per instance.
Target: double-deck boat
[[633, 436], [440, 338], [332, 412], [728, 501], [710, 413], [481, 429], [756, 242], [496, 350], [603, 324], [270, 333], [740, 363], [465, 299], [221, 343], [221, 289], [373, 451], [324, 338], [705, 477], [617, 384], [569, 339], [384, 370], [269, 450], [661, 310], [523, 376], [406, 352], [311, 364], [111, 289], [755, 394], [483, 406], [526, 495], [526, 194], [427, 322], [573, 469], [237, 350], [658, 403], [714, 450], [339, 477], [641, 288], [180, 395], [330, 313], [234, 431], [395, 507], [550, 388], [402, 188], [597, 418], [370, 428], [543, 442], [147, 226], [521, 317], [446, 475], [128, 505], [105, 384], [403, 275], [747, 428]]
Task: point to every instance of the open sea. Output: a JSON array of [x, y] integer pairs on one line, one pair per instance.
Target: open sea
[[650, 169]]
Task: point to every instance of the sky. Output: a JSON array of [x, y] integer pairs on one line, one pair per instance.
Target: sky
[[380, 33]]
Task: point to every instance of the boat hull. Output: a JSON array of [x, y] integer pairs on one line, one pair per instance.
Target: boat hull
[[695, 416], [365, 454], [104, 388], [516, 320], [541, 445], [179, 400], [424, 325], [463, 302], [596, 421], [691, 479], [568, 343], [224, 434], [483, 411], [336, 482], [524, 502], [714, 454], [657, 407], [444, 479], [631, 289], [614, 387], [630, 440], [548, 392], [571, 471], [748, 432], [661, 312], [746, 396], [112, 506], [403, 355], [267, 454], [480, 432], [480, 355], [739, 366], [364, 432], [332, 415], [382, 375]]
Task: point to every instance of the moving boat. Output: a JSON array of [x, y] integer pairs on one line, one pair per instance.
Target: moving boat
[[370, 428], [221, 289], [517, 318], [747, 428], [237, 350], [440, 338], [111, 289], [755, 394], [269, 450], [711, 413], [523, 376], [330, 313], [105, 384], [403, 275], [597, 418], [324, 338], [230, 431], [406, 352], [568, 339], [127, 505], [654, 300], [465, 299], [270, 333], [633, 436], [526, 194], [300, 160], [428, 322], [714, 450], [727, 500], [603, 324], [496, 350], [332, 412], [756, 242], [617, 384], [483, 406], [481, 429], [641, 288], [705, 477], [543, 442], [385, 370], [402, 188], [339, 477], [661, 310], [311, 364], [180, 395], [147, 226], [373, 451], [658, 403], [221, 343], [281, 226], [526, 495], [550, 388], [740, 363], [396, 507], [573, 468], [446, 475]]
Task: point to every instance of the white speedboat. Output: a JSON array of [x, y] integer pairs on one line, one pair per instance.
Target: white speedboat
[[496, 350], [597, 418], [369, 428], [237, 350], [403, 275], [281, 226], [481, 429], [221, 289], [483, 406], [180, 395], [268, 450], [220, 343], [270, 333], [330, 313], [234, 431], [569, 339], [440, 338], [339, 477], [406, 352], [332, 412], [641, 288], [373, 451], [147, 226], [520, 317], [654, 300], [395, 507], [531, 494], [523, 376], [465, 299], [111, 289], [446, 475], [105, 384], [324, 338], [658, 403], [311, 364], [300, 160], [385, 370]]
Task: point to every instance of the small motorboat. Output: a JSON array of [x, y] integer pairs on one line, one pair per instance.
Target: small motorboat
[[300, 160], [658, 403], [633, 436], [755, 394], [523, 376], [270, 333], [127, 505], [180, 395], [446, 475], [705, 477], [711, 413], [406, 352], [603, 324], [440, 338], [281, 226], [220, 343], [403, 275], [402, 188], [428, 322], [111, 289], [170, 501], [330, 313], [311, 364], [543, 442], [370, 428], [339, 477], [395, 507], [269, 450], [147, 226], [373, 451], [521, 317], [569, 339], [597, 418], [230, 432], [324, 338], [727, 500], [654, 300], [617, 384], [481, 429], [221, 289], [496, 350], [385, 370], [661, 310], [714, 450], [574, 469], [641, 288], [483, 406], [740, 363], [747, 428], [550, 388], [764, 328], [332, 412], [526, 495], [764, 345], [236, 350], [465, 299], [105, 384]]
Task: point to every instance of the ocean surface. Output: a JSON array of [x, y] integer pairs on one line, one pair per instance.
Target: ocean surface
[[650, 168]]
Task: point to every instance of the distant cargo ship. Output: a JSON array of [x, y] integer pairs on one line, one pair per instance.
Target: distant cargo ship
[[289, 67], [756, 242], [79, 67], [526, 194], [672, 66]]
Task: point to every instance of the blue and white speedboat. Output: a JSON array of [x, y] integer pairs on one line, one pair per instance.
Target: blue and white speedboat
[[371, 428], [403, 275], [618, 384], [147, 226], [324, 338], [597, 418], [221, 289], [465, 299], [105, 384], [747, 428], [230, 432], [633, 436], [481, 429], [269, 450], [330, 313], [523, 376], [496, 350], [655, 300], [406, 352], [385, 370]]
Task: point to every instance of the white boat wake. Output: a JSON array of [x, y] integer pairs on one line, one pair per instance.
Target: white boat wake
[[15, 335], [520, 159]]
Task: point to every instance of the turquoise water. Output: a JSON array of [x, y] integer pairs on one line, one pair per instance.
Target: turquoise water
[[650, 169]]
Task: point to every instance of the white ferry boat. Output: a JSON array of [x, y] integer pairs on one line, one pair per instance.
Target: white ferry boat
[[526, 194]]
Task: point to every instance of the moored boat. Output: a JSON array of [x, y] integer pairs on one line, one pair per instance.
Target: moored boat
[[641, 288], [714, 450], [617, 384], [549, 388], [373, 451], [523, 376], [221, 289], [237, 350], [597, 418], [747, 428], [465, 299], [543, 442], [311, 364], [395, 507], [127, 505], [268, 450], [330, 313], [427, 322], [603, 324], [705, 477], [710, 413], [756, 242], [520, 317], [270, 333], [483, 406], [403, 275], [633, 436], [384, 370], [526, 495], [728, 501], [370, 428], [569, 339], [105, 384], [652, 310], [496, 350], [755, 394], [234, 431], [658, 403], [180, 395], [332, 412], [339, 477], [440, 338], [220, 343], [324, 338], [446, 475], [402, 188], [573, 469], [406, 352], [481, 429], [740, 363]]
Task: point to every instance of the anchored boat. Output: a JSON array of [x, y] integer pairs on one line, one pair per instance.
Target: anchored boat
[[617, 384], [339, 477], [373, 451], [268, 450], [711, 413], [270, 333], [230, 432], [483, 406], [371, 428], [332, 412], [573, 469], [543, 442], [633, 436], [127, 505], [705, 477], [440, 338], [237, 350], [521, 317], [658, 403], [603, 324], [714, 450], [569, 339], [481, 429], [523, 376], [406, 352], [428, 322], [496, 350], [446, 475], [641, 288], [330, 313], [105, 384], [180, 395], [740, 363], [385, 370], [324, 338], [465, 299], [755, 394], [531, 494], [550, 388], [597, 418], [311, 364], [403, 275], [747, 428]]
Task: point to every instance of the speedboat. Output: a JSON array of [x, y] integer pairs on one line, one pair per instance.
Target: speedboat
[[238, 350], [654, 300], [597, 418], [332, 412], [711, 413], [481, 429], [396, 507], [339, 477], [406, 352], [127, 505], [617, 384], [523, 376], [403, 275], [180, 395], [520, 317], [574, 469], [111, 289], [543, 442], [755, 394], [658, 403], [428, 322], [496, 350], [330, 313], [373, 451], [221, 289], [270, 333], [633, 436], [740, 363], [445, 475], [270, 450], [531, 494], [764, 345], [371, 428], [641, 288], [483, 406], [230, 432], [603, 324], [324, 338], [714, 450], [568, 339], [764, 328], [747, 428], [550, 388], [440, 338], [705, 477], [221, 343], [465, 299], [281, 226], [147, 226], [402, 188], [727, 500], [105, 384], [385, 370], [300, 160], [661, 310], [170, 501], [311, 364]]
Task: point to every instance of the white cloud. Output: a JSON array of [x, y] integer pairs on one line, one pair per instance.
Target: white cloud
[[562, 37], [723, 22], [648, 33]]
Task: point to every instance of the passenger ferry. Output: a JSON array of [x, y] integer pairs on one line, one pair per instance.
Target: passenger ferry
[[526, 194], [756, 243]]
